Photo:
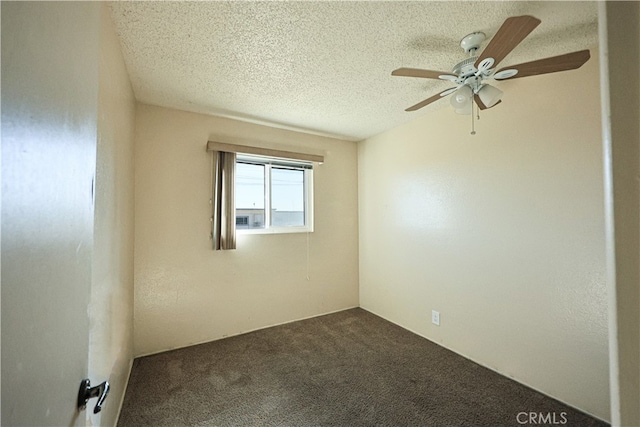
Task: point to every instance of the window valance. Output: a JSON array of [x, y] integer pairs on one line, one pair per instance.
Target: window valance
[[258, 151]]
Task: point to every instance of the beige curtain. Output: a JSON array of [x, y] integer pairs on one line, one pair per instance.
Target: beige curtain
[[223, 200]]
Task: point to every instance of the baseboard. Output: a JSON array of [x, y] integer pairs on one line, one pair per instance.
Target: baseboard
[[485, 366], [248, 331], [124, 392]]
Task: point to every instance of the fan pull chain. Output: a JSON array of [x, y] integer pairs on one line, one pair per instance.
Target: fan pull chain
[[308, 261], [473, 129]]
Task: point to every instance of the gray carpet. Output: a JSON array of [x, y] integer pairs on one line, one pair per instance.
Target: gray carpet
[[350, 368]]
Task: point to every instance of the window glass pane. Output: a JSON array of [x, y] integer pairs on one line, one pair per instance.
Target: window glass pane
[[249, 196], [287, 197]]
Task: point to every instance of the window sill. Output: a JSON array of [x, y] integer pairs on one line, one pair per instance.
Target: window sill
[[275, 230]]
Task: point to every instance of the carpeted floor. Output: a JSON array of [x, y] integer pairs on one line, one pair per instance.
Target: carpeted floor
[[350, 368]]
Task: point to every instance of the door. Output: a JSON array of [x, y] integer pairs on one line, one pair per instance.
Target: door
[[49, 105]]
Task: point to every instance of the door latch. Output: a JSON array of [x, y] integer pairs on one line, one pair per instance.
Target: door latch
[[87, 392]]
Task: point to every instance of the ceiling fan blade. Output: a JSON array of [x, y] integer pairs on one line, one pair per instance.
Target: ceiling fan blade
[[481, 104], [568, 61], [417, 72], [510, 34], [428, 101], [449, 91]]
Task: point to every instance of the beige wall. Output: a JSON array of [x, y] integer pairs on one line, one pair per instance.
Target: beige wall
[[185, 292], [501, 232], [111, 303]]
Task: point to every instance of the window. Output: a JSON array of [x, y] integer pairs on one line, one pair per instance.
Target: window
[[273, 195], [242, 222], [273, 192]]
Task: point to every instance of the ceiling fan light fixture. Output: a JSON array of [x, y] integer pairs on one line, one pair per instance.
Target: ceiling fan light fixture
[[465, 111], [461, 97], [489, 95]]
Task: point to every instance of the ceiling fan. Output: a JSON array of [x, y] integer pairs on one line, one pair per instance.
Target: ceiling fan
[[470, 75]]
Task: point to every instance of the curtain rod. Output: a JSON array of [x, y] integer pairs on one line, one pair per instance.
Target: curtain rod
[[245, 149]]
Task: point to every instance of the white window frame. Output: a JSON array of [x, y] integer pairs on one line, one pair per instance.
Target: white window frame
[[268, 163]]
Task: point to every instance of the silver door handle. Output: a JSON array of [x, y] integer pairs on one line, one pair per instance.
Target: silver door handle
[[86, 392]]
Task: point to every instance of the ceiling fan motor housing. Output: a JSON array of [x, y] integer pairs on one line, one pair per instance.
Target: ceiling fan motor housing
[[465, 68]]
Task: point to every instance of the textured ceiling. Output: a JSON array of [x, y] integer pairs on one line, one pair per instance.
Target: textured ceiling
[[322, 67]]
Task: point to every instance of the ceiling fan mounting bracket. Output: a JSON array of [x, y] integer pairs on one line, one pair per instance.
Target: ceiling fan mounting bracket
[[471, 42]]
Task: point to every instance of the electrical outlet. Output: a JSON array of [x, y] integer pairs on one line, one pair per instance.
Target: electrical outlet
[[435, 317]]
